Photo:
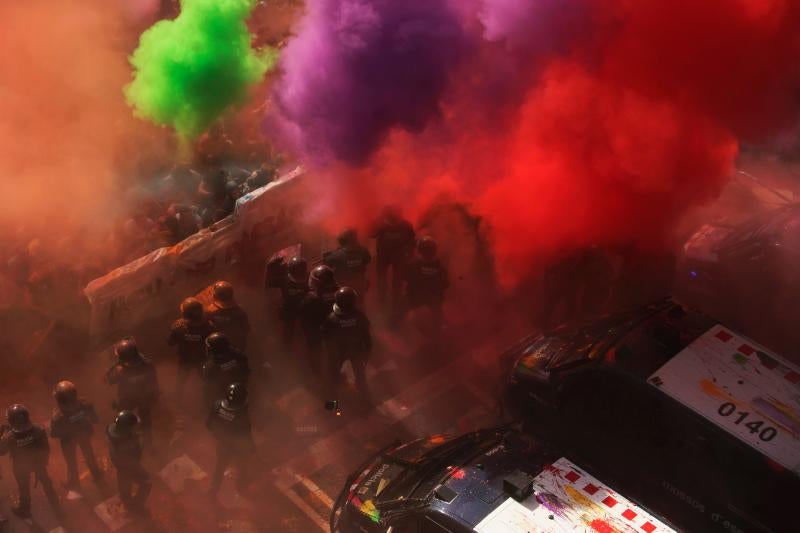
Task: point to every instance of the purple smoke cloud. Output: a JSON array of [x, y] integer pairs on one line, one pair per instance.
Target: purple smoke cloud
[[536, 26], [359, 68]]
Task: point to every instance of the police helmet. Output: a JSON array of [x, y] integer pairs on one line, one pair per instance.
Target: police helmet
[[18, 418], [127, 352], [217, 343], [321, 277], [346, 299], [347, 237], [297, 268], [192, 309], [125, 422], [223, 294], [65, 393], [427, 247]]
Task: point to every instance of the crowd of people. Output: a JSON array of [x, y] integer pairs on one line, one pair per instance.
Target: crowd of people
[[590, 281], [154, 204], [187, 201], [323, 301]]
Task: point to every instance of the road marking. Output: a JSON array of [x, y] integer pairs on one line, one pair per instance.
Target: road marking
[[178, 471], [315, 490], [307, 509], [327, 450], [304, 409], [112, 513], [388, 366], [394, 409]]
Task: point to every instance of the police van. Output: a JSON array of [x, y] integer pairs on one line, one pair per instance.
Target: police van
[[692, 414], [490, 481], [730, 270]]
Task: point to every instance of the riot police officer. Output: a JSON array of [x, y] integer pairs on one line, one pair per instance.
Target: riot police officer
[[562, 285], [292, 280], [394, 243], [596, 274], [136, 380], [125, 450], [426, 280], [189, 334], [317, 305], [227, 316], [349, 262], [225, 364], [347, 338], [29, 449], [229, 423], [73, 425]]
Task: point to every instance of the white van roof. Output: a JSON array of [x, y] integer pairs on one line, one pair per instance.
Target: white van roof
[[741, 387], [567, 499]]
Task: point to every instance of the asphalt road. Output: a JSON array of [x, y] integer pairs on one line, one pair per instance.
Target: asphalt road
[[304, 452]]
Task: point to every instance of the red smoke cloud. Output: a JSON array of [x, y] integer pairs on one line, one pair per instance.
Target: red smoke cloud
[[592, 162], [608, 138]]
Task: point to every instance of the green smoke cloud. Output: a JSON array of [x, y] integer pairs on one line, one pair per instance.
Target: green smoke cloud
[[189, 70]]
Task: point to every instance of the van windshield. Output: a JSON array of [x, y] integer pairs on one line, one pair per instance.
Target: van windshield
[[433, 464], [587, 342]]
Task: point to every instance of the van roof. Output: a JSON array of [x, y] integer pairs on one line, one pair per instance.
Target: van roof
[[566, 498], [478, 493], [740, 386]]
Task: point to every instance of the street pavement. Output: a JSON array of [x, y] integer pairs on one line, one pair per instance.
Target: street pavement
[[304, 452]]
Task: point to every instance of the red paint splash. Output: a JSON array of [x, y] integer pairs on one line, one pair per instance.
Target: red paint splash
[[459, 473], [601, 526]]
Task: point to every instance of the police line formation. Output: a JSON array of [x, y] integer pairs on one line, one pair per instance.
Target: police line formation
[[325, 304]]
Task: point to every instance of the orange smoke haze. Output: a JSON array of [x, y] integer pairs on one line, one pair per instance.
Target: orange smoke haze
[[68, 139]]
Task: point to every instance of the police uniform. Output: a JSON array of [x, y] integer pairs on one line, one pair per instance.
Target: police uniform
[[596, 274], [350, 265], [74, 428], [223, 369], [231, 429], [394, 242], [293, 293], [190, 339], [137, 388], [125, 452], [29, 451], [561, 284], [347, 338], [426, 282], [232, 321], [315, 309]]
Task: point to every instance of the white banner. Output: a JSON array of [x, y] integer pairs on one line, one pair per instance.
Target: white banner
[[260, 225]]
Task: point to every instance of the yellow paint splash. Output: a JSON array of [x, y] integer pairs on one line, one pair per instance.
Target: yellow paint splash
[[711, 389], [580, 499]]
